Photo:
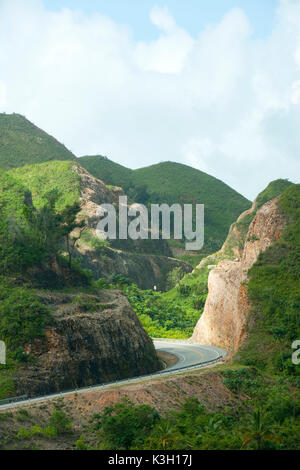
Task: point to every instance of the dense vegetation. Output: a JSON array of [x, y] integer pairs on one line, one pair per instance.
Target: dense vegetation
[[274, 189], [268, 419], [39, 208], [22, 143], [267, 412], [172, 314], [23, 317], [274, 289], [32, 241], [265, 415], [239, 230], [47, 177], [13, 196], [171, 183]]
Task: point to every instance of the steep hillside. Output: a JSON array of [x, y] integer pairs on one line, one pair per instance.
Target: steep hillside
[[170, 182], [234, 243], [43, 178], [91, 339], [13, 195], [274, 293], [108, 171], [180, 183], [146, 262], [72, 333], [227, 306], [22, 143], [253, 302]]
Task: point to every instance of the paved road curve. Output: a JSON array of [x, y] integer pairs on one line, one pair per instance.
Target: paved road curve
[[190, 356]]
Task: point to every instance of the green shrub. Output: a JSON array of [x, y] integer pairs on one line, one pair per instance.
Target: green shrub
[[22, 415], [50, 432], [61, 422], [101, 283], [81, 444], [124, 425], [22, 317], [23, 434]]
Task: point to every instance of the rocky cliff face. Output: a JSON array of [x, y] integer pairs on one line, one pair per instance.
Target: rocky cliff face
[[227, 306], [235, 241], [145, 270], [146, 262], [92, 339]]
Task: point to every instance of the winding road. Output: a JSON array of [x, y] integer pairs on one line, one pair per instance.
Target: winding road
[[189, 356]]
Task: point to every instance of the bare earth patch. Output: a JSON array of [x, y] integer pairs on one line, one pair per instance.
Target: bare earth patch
[[163, 393]]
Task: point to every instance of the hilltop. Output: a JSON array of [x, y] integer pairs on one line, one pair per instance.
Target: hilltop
[[170, 182], [22, 143], [146, 262], [108, 171]]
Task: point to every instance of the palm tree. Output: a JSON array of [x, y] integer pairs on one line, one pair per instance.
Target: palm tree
[[258, 430], [167, 433]]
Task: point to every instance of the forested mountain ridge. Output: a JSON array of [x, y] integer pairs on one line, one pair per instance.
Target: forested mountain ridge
[[22, 143], [170, 182]]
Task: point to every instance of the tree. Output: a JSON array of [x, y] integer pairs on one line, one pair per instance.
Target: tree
[[51, 229], [44, 226], [174, 277], [259, 430], [61, 422], [71, 224], [124, 425]]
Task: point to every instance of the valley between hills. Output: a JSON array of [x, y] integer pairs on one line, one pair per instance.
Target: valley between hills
[[76, 311]]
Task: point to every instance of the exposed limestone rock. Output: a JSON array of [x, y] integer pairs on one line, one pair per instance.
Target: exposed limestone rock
[[227, 306], [92, 339]]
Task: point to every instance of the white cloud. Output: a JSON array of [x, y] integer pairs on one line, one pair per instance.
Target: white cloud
[[223, 102], [169, 53], [161, 17]]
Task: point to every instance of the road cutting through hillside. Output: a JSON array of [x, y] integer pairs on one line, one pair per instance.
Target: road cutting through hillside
[[189, 356]]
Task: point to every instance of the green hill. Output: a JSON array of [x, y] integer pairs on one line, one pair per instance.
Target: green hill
[[22, 143], [274, 189], [108, 171], [49, 176], [170, 182], [13, 196], [237, 234]]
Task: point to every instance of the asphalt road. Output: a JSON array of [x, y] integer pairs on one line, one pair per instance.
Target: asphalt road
[[190, 356]]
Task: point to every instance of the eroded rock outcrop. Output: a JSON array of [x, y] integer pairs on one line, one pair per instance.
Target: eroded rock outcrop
[[146, 262], [227, 306], [92, 339]]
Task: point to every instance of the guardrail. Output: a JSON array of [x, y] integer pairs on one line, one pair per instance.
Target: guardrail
[[109, 384], [6, 401]]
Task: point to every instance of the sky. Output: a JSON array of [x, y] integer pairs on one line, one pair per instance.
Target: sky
[[214, 85], [192, 15]]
